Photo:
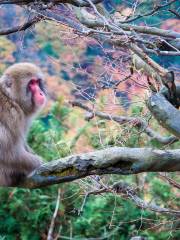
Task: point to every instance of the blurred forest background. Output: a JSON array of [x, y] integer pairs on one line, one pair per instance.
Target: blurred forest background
[[80, 68]]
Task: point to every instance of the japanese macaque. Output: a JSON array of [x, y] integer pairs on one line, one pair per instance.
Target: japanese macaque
[[22, 96]]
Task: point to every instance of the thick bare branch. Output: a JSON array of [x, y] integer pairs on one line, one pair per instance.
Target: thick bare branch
[[128, 27], [164, 112], [139, 52], [142, 66], [72, 23], [21, 27], [161, 74], [150, 30], [79, 3], [115, 160]]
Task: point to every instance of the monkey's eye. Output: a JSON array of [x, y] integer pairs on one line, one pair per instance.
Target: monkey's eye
[[32, 84], [42, 85], [34, 81]]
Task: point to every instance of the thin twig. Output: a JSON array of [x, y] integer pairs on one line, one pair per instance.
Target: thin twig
[[175, 13], [136, 122], [126, 191], [124, 188], [154, 10], [51, 228], [170, 180]]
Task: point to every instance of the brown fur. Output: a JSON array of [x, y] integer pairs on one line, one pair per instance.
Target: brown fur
[[16, 113]]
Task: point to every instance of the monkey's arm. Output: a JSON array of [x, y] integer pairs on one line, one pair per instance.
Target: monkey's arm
[[29, 160], [14, 167], [6, 140]]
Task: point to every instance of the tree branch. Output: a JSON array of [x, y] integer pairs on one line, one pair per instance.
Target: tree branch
[[169, 180], [165, 113], [72, 23], [79, 3], [136, 122], [154, 10], [124, 188], [163, 53], [128, 192], [115, 160], [129, 27], [21, 27], [175, 13], [139, 52]]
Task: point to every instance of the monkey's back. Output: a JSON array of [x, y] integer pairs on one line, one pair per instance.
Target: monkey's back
[[11, 115]]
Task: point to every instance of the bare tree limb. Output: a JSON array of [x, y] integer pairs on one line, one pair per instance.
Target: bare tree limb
[[150, 30], [136, 122], [139, 52], [165, 77], [21, 27], [115, 160], [154, 10], [128, 27], [124, 188], [72, 23], [163, 53], [175, 13], [165, 113], [128, 192], [140, 65], [79, 3]]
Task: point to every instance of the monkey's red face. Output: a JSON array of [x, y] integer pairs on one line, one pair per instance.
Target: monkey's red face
[[24, 82], [36, 88]]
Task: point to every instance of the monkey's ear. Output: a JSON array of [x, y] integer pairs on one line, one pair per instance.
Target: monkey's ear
[[7, 81]]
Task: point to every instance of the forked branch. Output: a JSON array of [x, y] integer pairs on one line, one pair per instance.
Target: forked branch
[[136, 122]]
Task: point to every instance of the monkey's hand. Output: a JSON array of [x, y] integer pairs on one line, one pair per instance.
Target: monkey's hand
[[29, 161]]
